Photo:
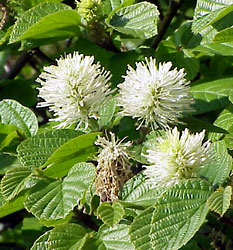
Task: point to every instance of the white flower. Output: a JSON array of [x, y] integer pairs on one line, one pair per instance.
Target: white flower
[[74, 90], [175, 157], [113, 168], [155, 96]]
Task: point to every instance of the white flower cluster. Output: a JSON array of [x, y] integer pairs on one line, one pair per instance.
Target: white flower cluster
[[155, 96], [74, 90], [176, 156]]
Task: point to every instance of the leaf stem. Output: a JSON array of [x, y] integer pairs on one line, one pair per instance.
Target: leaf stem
[[171, 12]]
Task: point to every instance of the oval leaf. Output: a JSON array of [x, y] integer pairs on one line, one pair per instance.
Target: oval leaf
[[211, 95], [174, 218], [76, 150], [35, 151], [13, 113], [53, 200], [34, 16], [137, 20]]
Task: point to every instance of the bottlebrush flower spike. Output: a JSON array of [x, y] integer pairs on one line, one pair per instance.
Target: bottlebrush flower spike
[[176, 156], [155, 96], [74, 90]]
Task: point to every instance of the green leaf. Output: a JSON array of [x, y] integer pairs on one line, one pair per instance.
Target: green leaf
[[211, 95], [224, 36], [220, 166], [138, 20], [225, 49], [174, 218], [9, 137], [42, 242], [220, 200], [35, 151], [68, 237], [207, 12], [14, 181], [225, 121], [93, 243], [106, 113], [13, 113], [9, 207], [53, 200], [49, 20], [76, 150], [109, 213], [116, 237], [138, 192]]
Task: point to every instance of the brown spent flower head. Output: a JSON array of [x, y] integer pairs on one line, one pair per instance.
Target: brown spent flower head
[[113, 168]]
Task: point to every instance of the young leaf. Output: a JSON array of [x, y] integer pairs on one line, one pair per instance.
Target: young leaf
[[211, 95], [13, 113], [174, 219], [53, 200], [14, 181], [110, 214], [137, 20], [219, 168], [49, 20], [76, 150], [35, 151], [116, 237], [220, 200]]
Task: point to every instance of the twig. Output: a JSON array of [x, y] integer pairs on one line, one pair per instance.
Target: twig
[[39, 53], [171, 12]]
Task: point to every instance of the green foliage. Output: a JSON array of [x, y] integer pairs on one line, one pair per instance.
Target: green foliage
[[54, 199], [42, 24], [138, 20], [218, 170], [13, 113], [57, 191], [211, 95], [35, 151], [176, 216], [219, 201], [110, 214]]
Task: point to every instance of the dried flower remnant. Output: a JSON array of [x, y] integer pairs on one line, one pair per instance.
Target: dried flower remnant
[[176, 156], [74, 90], [113, 168], [156, 96]]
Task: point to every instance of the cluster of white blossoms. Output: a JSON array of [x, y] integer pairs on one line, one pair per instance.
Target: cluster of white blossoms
[[113, 168], [155, 96], [176, 156], [74, 90]]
